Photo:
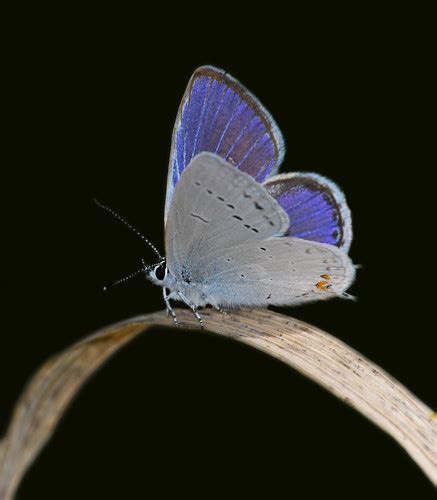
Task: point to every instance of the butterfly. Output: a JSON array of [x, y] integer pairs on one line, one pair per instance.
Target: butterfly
[[236, 233]]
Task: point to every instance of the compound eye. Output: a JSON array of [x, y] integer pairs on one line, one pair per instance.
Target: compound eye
[[161, 272]]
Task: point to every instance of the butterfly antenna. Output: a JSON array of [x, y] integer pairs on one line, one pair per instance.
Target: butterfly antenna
[[126, 223], [142, 269]]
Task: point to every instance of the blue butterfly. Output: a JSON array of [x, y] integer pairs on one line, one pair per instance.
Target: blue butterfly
[[236, 233]]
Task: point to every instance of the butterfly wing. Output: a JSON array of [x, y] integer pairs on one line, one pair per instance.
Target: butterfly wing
[[224, 236], [316, 208], [216, 206], [277, 271], [219, 115]]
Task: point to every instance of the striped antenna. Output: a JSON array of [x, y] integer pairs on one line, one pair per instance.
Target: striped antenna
[[122, 280], [142, 269], [126, 223]]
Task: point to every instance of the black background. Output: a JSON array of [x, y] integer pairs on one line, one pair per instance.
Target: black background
[[91, 103]]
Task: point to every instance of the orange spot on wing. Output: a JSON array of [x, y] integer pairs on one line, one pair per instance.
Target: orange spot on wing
[[322, 285], [325, 276]]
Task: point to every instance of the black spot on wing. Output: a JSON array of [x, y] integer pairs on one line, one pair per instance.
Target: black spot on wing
[[248, 226], [267, 218], [196, 216]]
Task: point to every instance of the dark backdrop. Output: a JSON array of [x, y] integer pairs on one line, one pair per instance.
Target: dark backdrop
[[92, 108]]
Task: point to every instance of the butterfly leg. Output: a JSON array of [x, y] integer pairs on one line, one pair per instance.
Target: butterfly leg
[[219, 309], [193, 308], [168, 306]]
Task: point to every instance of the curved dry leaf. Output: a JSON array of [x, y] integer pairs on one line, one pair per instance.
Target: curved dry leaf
[[316, 354]]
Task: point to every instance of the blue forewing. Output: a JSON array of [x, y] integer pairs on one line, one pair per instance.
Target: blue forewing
[[218, 115]]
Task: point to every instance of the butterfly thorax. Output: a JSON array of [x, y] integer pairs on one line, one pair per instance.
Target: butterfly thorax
[[181, 287]]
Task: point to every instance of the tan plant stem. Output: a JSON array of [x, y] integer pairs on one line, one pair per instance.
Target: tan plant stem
[[314, 353]]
